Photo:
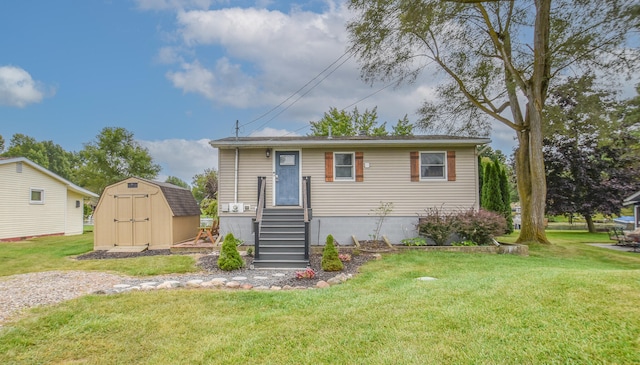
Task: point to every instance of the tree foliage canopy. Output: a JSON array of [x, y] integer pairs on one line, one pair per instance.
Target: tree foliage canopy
[[113, 156], [45, 153], [177, 182], [590, 163], [205, 185], [342, 123], [496, 56]]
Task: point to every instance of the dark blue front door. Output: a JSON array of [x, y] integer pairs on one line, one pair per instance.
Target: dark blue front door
[[287, 177]]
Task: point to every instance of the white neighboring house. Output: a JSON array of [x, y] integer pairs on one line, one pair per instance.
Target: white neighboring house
[[36, 202]]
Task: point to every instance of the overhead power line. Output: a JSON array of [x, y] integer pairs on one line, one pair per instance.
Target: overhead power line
[[348, 52]]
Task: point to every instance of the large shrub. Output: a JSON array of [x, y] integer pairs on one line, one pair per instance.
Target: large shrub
[[330, 259], [229, 256], [480, 226], [437, 225]]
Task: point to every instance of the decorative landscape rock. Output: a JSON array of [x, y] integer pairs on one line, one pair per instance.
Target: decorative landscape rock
[[426, 278]]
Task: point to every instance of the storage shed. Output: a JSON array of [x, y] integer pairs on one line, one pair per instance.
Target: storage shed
[[140, 213]]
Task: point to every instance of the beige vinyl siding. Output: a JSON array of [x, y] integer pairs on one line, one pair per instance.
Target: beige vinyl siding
[[388, 179], [252, 163], [20, 218], [75, 215]]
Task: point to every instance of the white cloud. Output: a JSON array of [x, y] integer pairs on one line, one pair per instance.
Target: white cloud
[[226, 84], [17, 88], [503, 138], [173, 4], [264, 56], [168, 55], [182, 158], [272, 132], [194, 78]]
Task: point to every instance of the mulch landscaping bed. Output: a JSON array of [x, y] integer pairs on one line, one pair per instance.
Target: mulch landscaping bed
[[209, 264]]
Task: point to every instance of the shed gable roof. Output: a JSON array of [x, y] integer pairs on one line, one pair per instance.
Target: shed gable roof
[[180, 200]]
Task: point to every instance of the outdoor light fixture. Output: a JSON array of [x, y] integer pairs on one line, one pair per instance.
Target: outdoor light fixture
[[268, 152]]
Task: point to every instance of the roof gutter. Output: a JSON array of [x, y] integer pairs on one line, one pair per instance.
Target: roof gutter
[[360, 143]]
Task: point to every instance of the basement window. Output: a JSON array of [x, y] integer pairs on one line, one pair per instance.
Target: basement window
[[37, 196]]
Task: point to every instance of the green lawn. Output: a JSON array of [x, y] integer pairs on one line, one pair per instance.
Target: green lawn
[[565, 303], [53, 253]]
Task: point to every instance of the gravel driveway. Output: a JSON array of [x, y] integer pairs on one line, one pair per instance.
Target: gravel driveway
[[18, 292]]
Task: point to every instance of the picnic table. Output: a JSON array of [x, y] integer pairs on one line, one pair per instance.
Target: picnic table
[[208, 232]]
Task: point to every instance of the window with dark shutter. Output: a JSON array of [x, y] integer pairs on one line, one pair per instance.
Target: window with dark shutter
[[328, 166], [415, 165], [359, 167], [433, 165], [451, 165]]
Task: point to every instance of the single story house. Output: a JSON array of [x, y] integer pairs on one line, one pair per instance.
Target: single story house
[[36, 202], [635, 201], [141, 214], [294, 191]]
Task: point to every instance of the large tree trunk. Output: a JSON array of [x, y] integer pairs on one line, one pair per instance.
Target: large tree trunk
[[532, 189], [590, 226], [532, 182]]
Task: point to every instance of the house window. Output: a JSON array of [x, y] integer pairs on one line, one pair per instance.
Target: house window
[[132, 185], [433, 165], [344, 166], [37, 196]]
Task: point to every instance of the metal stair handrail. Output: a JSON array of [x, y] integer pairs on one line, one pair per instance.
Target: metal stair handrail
[[262, 183]]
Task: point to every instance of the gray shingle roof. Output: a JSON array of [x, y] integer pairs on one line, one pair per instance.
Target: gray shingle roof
[[181, 200], [368, 141]]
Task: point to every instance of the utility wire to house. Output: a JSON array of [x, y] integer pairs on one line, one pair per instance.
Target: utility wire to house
[[303, 87], [329, 70]]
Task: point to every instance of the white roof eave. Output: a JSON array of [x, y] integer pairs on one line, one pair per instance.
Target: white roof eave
[[354, 143], [71, 186]]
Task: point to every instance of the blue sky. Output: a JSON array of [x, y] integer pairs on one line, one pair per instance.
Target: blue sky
[[178, 73]]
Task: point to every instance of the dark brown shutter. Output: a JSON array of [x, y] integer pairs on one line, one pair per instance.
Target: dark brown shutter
[[451, 165], [415, 165], [359, 166], [328, 166]]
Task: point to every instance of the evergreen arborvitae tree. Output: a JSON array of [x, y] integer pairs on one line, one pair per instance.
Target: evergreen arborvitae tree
[[506, 197], [491, 195], [480, 178], [229, 256], [330, 259]]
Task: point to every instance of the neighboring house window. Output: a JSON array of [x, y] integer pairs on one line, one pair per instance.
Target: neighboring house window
[[432, 165], [37, 196], [344, 166]]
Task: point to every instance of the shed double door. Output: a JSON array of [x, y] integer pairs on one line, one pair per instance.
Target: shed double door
[[132, 220]]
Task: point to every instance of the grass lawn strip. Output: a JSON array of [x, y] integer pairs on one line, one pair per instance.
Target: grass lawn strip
[[567, 303]]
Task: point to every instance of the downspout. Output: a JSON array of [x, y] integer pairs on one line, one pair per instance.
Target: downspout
[[235, 185]]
